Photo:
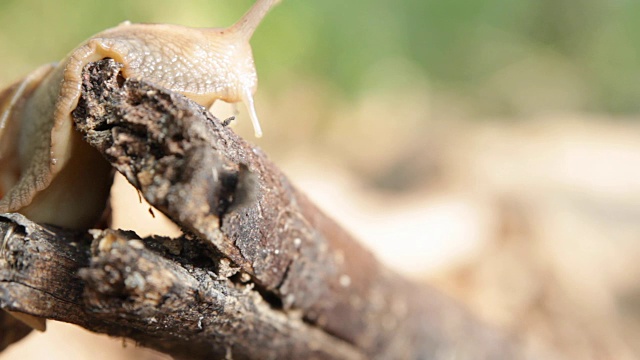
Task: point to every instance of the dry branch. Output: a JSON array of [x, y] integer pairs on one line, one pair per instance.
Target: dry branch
[[241, 210], [163, 293]]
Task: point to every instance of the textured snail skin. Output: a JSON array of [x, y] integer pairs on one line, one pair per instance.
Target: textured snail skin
[[47, 172]]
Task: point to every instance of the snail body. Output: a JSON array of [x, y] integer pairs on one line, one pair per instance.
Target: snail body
[[44, 163]]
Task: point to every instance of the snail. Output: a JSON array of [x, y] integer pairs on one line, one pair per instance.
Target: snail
[[44, 163]]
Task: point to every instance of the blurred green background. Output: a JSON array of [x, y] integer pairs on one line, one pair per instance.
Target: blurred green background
[[495, 57], [428, 126]]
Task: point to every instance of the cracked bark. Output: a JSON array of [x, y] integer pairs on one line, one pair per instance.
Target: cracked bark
[[242, 213]]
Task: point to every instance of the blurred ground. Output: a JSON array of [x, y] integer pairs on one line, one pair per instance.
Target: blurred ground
[[489, 147], [533, 225]]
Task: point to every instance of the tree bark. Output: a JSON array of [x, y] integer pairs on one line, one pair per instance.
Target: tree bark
[[260, 267]]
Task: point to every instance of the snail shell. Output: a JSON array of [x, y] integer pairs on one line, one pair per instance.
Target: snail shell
[[47, 172]]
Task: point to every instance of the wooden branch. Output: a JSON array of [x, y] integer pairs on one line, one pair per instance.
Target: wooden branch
[[324, 291], [163, 293]]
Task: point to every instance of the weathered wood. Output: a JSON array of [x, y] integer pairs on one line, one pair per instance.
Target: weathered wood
[[163, 293], [244, 212]]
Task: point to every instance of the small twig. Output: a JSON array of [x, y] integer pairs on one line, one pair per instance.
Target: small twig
[[163, 293], [11, 330]]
